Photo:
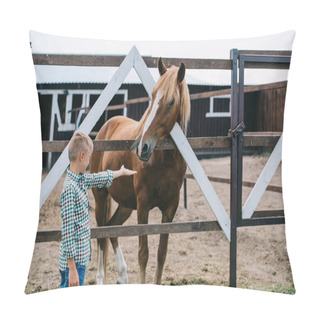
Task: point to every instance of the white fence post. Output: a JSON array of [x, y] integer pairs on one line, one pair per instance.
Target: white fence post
[[201, 178], [263, 181], [92, 117]]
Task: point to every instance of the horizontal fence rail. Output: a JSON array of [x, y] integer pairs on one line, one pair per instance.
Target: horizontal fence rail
[[195, 96], [115, 61], [269, 217], [248, 184], [137, 230], [250, 140], [266, 52], [151, 62], [262, 221]]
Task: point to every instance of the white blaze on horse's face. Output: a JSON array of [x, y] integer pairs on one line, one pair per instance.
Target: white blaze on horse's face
[[148, 123]]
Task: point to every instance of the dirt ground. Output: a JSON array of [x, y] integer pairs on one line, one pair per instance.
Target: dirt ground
[[193, 258]]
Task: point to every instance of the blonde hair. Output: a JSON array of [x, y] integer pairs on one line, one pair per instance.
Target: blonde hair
[[80, 142]]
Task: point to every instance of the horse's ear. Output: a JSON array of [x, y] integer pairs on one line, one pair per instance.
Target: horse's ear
[[161, 67], [181, 72]]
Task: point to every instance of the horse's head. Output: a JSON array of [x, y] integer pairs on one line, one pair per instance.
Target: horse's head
[[170, 104]]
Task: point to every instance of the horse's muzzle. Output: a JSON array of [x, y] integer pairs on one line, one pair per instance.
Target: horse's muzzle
[[144, 151]]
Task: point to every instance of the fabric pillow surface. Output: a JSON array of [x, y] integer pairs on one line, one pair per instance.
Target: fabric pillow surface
[[236, 136]]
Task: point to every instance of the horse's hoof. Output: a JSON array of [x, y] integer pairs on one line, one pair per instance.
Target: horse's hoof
[[122, 281], [99, 280]]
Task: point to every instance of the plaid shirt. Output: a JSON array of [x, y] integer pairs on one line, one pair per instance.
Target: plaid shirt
[[74, 203]]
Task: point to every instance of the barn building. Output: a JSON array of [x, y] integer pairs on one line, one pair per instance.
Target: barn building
[[60, 114], [66, 93]]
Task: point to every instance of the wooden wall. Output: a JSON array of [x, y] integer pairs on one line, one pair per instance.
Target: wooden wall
[[270, 110], [263, 111]]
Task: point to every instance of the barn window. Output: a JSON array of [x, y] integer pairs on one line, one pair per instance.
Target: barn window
[[63, 110], [220, 106], [69, 107]]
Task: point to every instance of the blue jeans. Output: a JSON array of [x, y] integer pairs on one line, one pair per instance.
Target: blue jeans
[[65, 276]]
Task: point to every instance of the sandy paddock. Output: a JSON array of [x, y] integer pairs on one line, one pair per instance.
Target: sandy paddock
[[193, 258]]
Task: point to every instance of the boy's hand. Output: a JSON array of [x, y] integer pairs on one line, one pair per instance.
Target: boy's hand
[[73, 273], [126, 172], [123, 172], [73, 278]]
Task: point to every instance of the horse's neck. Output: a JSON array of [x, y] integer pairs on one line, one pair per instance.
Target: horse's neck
[[165, 157], [141, 123]]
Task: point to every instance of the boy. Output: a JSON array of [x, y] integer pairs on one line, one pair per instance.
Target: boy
[[75, 248]]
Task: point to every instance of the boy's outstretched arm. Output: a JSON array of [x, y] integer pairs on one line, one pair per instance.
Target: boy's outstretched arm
[[123, 172]]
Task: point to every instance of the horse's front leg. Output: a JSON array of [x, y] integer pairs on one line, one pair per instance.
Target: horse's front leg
[[167, 216], [120, 217], [143, 254]]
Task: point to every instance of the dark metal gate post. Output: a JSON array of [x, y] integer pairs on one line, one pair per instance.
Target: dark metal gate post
[[234, 167], [240, 138], [237, 127]]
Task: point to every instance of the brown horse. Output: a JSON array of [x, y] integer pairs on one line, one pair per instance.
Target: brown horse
[[160, 173]]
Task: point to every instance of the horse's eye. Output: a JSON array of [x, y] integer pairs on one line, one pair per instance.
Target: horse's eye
[[170, 103]]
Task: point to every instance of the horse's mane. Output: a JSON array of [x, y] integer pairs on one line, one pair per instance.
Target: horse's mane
[[171, 89]]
